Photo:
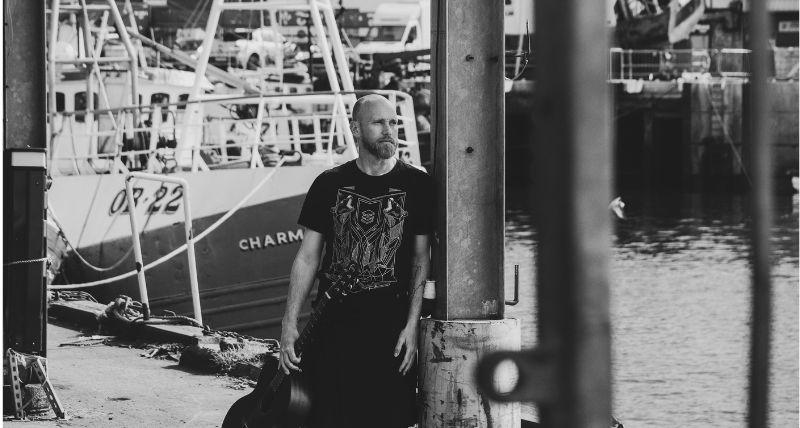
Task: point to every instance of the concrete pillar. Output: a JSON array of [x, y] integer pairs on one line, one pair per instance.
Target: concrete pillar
[[448, 353], [468, 118], [469, 121]]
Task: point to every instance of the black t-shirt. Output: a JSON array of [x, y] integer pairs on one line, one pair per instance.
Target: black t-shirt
[[369, 222]]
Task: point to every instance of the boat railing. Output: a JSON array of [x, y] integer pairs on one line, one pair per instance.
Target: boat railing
[[137, 249], [669, 64], [235, 132]]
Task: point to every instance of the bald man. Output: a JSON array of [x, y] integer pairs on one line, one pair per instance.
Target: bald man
[[371, 216]]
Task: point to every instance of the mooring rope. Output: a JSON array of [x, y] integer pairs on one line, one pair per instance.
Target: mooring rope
[[182, 248]]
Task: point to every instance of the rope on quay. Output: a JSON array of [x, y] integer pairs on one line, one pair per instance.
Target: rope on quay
[[182, 248]]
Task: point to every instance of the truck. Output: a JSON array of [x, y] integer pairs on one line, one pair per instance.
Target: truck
[[397, 27]]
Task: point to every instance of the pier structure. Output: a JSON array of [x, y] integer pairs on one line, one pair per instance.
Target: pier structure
[[468, 319], [25, 127]]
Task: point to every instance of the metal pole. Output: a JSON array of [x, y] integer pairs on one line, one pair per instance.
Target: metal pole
[[126, 41], [25, 177], [338, 52], [324, 47], [137, 248], [187, 226], [51, 66], [569, 373], [187, 211], [573, 167], [85, 27], [760, 144]]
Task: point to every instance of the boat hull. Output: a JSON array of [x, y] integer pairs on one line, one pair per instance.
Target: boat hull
[[243, 265]]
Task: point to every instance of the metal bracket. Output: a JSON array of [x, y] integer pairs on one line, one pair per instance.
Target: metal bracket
[[48, 389], [16, 384], [516, 288]]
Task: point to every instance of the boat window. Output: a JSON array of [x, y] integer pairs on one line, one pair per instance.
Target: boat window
[[412, 35], [60, 100], [182, 98], [161, 99], [80, 104]]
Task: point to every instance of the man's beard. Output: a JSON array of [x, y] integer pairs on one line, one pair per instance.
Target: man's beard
[[381, 148]]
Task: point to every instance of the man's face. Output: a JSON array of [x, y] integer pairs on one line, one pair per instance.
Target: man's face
[[377, 129]]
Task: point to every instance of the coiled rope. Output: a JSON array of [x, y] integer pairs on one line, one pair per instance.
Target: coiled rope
[[182, 248]]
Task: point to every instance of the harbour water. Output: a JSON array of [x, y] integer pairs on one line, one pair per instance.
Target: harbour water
[[680, 305]]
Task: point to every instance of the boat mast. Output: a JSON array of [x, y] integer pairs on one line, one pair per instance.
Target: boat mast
[[315, 9]]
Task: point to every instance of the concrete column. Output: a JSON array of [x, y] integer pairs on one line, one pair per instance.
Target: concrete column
[[468, 118], [469, 122], [450, 351]]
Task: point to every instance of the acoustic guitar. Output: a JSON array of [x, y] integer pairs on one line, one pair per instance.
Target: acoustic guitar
[[280, 400]]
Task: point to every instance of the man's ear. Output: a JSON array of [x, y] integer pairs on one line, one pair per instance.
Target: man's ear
[[354, 128]]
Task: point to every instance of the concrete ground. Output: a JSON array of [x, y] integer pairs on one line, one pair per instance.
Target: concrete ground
[[104, 385]]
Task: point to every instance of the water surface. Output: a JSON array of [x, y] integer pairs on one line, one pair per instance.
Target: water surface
[[680, 308]]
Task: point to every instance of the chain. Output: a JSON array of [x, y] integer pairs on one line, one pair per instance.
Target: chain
[[19, 262]]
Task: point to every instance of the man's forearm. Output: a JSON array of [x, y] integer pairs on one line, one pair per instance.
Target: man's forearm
[[300, 283], [419, 274]]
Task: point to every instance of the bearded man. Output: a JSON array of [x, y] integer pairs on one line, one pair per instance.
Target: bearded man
[[372, 217]]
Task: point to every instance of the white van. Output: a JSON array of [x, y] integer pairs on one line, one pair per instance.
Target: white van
[[398, 27]]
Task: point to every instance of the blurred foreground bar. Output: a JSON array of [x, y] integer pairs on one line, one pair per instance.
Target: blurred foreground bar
[[760, 145]]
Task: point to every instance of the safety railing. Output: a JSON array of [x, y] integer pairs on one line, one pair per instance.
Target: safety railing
[[236, 132], [667, 64], [137, 248]]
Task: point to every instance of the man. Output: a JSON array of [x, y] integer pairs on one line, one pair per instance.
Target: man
[[373, 216]]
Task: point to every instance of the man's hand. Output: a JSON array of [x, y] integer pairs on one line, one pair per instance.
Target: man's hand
[[289, 360], [407, 340]]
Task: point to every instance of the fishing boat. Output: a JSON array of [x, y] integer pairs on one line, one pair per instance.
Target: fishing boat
[[245, 157]]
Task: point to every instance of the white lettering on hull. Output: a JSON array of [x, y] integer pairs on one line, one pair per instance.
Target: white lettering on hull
[[253, 243]]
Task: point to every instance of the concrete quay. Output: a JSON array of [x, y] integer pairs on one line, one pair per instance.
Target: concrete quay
[[104, 385]]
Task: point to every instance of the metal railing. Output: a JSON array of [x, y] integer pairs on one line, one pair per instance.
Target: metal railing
[[667, 64], [242, 131], [137, 248]]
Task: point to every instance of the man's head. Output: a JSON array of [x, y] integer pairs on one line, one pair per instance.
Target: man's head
[[374, 126]]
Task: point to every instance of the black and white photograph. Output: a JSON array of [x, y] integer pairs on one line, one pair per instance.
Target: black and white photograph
[[401, 213]]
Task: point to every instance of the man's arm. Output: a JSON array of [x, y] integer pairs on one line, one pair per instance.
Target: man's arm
[[304, 270], [420, 265]]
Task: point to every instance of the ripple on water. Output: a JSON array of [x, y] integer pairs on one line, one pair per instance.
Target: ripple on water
[[680, 304]]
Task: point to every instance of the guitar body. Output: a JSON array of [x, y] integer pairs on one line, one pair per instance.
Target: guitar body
[[288, 407]]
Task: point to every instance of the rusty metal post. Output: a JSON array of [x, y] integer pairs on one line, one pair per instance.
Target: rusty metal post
[[760, 145], [569, 373], [24, 305]]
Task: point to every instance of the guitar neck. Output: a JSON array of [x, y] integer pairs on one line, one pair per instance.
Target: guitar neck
[[305, 338]]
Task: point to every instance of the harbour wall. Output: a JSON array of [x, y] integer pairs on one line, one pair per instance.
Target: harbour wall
[[672, 135]]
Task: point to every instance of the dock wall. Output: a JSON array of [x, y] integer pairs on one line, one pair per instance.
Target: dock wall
[[668, 135]]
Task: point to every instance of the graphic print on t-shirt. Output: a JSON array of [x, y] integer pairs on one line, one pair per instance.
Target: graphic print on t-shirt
[[367, 234]]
